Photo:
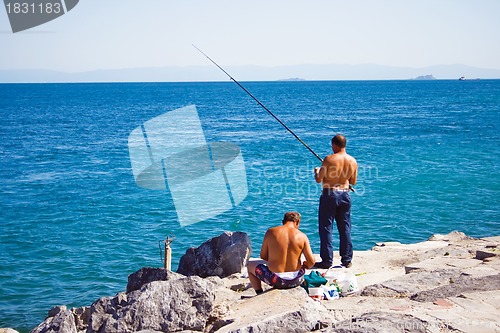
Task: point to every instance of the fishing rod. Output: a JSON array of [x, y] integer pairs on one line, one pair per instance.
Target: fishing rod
[[265, 108], [260, 103]]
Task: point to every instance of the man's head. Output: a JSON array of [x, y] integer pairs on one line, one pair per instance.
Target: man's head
[[338, 142], [292, 217]]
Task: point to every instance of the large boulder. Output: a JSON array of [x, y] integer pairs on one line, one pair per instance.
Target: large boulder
[[149, 274], [167, 306], [220, 256]]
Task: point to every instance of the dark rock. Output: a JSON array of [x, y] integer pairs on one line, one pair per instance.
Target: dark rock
[[82, 318], [62, 322], [220, 256], [56, 310], [483, 254], [167, 306], [149, 274]]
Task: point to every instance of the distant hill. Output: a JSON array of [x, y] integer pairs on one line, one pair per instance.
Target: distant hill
[[425, 77], [293, 79], [250, 73]]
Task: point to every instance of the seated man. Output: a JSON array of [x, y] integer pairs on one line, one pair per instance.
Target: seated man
[[281, 250]]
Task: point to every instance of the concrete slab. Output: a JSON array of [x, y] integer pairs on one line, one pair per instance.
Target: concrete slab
[[440, 263], [422, 246], [493, 239]]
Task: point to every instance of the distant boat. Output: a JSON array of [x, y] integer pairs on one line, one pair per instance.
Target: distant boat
[[462, 78]]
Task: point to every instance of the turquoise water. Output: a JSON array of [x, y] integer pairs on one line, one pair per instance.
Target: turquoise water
[[74, 225]]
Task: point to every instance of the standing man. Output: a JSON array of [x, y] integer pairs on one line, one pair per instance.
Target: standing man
[[337, 172], [281, 250]]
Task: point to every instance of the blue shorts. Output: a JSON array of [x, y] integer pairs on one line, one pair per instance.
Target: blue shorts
[[267, 276]]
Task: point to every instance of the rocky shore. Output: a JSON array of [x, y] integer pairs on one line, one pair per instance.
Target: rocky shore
[[449, 283]]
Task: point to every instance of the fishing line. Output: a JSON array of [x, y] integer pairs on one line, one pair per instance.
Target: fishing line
[[260, 103]]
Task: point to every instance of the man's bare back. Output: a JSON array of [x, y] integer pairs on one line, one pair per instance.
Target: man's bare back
[[283, 246], [337, 171], [282, 251]]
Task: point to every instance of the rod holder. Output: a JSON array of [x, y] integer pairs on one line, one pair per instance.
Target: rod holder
[[168, 253]]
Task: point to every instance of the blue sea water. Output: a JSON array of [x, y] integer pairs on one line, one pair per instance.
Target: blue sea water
[[74, 225]]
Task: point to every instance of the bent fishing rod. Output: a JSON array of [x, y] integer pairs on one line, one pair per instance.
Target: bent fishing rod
[[265, 108], [260, 103]]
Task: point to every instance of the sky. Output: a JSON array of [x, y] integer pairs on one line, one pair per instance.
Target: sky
[[117, 34]]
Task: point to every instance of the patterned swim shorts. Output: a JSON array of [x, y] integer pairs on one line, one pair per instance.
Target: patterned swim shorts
[[265, 275]]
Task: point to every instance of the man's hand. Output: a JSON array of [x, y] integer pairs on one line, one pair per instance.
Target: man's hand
[[317, 177]]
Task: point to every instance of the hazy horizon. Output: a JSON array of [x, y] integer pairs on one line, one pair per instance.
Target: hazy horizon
[[250, 73], [110, 35]]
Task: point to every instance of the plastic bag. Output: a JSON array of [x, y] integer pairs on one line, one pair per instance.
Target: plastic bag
[[345, 280]]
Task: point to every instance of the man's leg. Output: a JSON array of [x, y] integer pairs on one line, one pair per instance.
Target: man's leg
[[254, 281], [325, 216], [343, 218]]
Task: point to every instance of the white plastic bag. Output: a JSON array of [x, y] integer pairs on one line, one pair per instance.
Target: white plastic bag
[[348, 284]]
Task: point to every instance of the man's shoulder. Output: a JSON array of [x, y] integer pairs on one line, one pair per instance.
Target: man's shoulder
[[274, 229], [330, 158], [301, 234]]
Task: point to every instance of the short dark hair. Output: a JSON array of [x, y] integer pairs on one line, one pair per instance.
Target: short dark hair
[[291, 217], [339, 140]]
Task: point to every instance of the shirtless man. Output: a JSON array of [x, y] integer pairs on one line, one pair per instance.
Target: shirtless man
[[337, 172], [281, 252]]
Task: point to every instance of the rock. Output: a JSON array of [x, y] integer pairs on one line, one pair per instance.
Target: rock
[[437, 264], [453, 236], [82, 318], [382, 244], [379, 290], [442, 302], [8, 330], [62, 322], [149, 274], [383, 322], [410, 284], [290, 310], [459, 285], [167, 306], [220, 256], [433, 286], [484, 254], [56, 310]]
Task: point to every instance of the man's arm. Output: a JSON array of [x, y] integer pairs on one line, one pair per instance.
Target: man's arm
[[354, 176], [308, 254], [264, 251], [320, 172]]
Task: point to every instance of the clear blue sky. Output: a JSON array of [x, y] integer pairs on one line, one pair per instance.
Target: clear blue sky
[[110, 34]]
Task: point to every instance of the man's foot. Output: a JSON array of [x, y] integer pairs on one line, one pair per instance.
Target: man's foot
[[257, 293], [347, 264], [248, 296], [322, 265]]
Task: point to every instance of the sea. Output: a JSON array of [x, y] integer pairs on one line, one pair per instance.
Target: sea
[[74, 223]]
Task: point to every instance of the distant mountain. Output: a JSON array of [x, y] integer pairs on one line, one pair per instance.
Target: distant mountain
[[250, 73]]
